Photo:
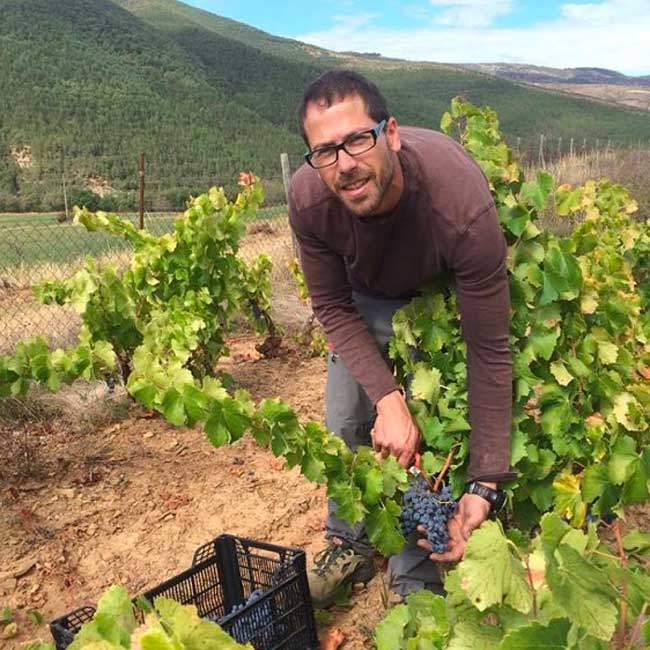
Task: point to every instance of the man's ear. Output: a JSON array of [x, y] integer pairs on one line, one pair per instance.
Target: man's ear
[[392, 135]]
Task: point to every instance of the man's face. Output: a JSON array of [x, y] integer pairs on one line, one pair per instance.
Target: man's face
[[369, 183]]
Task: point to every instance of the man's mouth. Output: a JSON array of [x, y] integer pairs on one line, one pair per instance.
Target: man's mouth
[[354, 188]]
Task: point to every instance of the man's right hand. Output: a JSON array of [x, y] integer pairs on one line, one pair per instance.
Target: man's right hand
[[395, 432]]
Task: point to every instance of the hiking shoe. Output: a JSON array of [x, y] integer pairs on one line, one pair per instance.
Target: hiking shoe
[[336, 567]]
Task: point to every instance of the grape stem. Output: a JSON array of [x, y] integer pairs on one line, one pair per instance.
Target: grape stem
[[445, 467]]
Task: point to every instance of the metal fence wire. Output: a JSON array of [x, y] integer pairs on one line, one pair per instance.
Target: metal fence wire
[[42, 247]]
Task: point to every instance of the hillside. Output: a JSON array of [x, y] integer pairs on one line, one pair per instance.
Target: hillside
[[85, 85], [543, 74]]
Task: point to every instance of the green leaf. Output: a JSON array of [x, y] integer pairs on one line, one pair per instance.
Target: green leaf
[[234, 419], [384, 530], [215, 428], [490, 574], [543, 341], [173, 407], [475, 636], [312, 468], [584, 592], [623, 456], [426, 383], [536, 636], [394, 476], [113, 621], [390, 631], [349, 507], [35, 617], [637, 541], [373, 486]]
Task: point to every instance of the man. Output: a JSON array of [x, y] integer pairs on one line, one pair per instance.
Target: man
[[380, 212]]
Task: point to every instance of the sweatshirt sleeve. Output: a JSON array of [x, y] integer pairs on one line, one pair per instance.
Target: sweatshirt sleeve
[[478, 261], [331, 298]]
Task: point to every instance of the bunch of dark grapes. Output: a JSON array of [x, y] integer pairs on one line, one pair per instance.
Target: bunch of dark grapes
[[431, 509], [258, 618]]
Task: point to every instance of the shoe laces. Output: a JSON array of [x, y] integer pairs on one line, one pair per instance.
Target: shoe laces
[[328, 557]]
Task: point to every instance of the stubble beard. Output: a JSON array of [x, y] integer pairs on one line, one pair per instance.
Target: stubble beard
[[379, 183]]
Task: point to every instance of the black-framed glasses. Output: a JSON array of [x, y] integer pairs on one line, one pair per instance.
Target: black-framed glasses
[[353, 145]]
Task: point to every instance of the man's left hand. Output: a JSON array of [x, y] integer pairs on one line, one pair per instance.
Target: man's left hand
[[472, 511]]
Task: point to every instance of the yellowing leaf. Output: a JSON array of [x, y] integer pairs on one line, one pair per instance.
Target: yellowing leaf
[[622, 403], [568, 498], [589, 302], [607, 352], [561, 374]]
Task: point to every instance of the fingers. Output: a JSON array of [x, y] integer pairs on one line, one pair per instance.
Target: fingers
[[454, 551], [404, 459]]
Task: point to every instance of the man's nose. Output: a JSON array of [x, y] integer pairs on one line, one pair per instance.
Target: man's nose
[[346, 162]]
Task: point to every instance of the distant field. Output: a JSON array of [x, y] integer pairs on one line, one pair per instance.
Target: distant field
[[35, 239]]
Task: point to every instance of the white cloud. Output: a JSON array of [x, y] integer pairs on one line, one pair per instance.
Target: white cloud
[[608, 34], [469, 13]]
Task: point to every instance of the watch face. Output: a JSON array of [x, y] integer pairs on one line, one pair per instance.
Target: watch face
[[499, 499]]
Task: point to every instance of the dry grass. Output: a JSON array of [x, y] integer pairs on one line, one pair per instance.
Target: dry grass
[[629, 167], [634, 96]]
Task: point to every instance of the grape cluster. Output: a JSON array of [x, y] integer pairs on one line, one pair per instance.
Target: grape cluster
[[431, 509], [257, 619]]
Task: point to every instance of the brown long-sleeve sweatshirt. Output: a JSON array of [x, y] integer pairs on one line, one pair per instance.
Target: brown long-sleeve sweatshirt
[[445, 223]]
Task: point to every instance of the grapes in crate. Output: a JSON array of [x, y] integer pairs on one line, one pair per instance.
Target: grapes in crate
[[259, 620], [431, 509]]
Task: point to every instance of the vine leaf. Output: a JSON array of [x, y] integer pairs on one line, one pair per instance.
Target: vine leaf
[[475, 636], [382, 525], [538, 637], [490, 574], [583, 591]]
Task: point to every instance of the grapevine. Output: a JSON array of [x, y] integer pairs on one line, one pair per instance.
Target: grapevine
[[580, 332]]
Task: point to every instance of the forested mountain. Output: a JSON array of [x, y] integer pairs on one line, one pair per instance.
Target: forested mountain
[[85, 85]]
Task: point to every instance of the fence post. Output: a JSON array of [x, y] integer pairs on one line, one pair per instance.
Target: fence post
[[542, 164], [65, 199], [571, 148], [286, 179], [141, 176]]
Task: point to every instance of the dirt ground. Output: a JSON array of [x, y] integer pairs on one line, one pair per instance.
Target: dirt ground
[[82, 508]]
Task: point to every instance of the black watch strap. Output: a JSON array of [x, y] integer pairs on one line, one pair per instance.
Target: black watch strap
[[496, 498]]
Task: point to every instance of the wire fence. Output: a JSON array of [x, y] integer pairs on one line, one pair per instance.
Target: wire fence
[[43, 247], [40, 247]]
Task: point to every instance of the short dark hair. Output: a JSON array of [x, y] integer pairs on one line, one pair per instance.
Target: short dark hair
[[334, 86]]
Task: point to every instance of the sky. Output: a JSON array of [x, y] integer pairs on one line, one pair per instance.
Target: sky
[[612, 34]]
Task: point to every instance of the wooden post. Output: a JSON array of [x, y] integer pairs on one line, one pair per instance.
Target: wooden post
[[65, 199], [541, 162], [559, 147], [286, 179], [141, 175]]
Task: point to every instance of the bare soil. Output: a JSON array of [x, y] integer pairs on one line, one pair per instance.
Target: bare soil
[[85, 507]]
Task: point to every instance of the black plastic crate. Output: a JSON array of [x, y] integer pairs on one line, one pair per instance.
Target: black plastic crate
[[224, 574]]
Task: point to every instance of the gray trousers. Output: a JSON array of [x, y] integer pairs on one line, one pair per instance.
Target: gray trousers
[[350, 415]]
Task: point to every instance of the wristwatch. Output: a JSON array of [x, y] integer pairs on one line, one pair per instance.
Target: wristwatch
[[496, 498]]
